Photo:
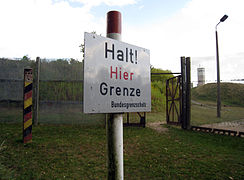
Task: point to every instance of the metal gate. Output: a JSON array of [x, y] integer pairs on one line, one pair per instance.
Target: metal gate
[[174, 100], [178, 96]]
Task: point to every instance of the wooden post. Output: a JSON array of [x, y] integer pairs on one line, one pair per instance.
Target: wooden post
[[183, 74], [36, 92], [188, 93]]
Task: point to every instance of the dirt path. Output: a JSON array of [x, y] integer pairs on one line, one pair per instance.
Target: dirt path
[[157, 126]]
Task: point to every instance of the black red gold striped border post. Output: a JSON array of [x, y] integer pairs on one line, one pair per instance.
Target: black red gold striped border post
[[27, 107]]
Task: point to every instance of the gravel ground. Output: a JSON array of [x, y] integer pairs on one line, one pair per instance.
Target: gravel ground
[[234, 125]]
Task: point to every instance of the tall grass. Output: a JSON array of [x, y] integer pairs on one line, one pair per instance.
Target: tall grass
[[76, 152], [61, 91], [231, 93]]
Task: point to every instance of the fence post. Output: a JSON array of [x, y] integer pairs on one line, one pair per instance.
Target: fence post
[[27, 105], [183, 74], [36, 92], [188, 93]]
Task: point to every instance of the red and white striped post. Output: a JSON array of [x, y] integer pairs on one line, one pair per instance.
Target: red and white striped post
[[114, 123], [114, 25]]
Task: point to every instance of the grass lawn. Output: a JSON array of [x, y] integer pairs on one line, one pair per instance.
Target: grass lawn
[[11, 114], [53, 114], [68, 114], [207, 114], [78, 152]]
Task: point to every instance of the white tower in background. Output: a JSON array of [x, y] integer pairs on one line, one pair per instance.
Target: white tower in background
[[201, 76]]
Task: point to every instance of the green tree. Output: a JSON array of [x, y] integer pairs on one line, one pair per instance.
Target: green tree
[[158, 88], [25, 58]]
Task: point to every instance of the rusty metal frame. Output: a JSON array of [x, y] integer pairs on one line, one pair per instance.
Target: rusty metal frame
[[218, 131], [142, 122], [174, 103]]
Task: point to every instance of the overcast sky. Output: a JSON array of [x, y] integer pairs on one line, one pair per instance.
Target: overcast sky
[[168, 28]]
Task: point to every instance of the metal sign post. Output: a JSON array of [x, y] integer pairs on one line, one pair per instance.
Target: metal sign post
[[114, 122]]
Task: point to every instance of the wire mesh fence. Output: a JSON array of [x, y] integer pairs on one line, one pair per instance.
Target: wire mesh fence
[[11, 89], [61, 97], [11, 79], [60, 92]]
